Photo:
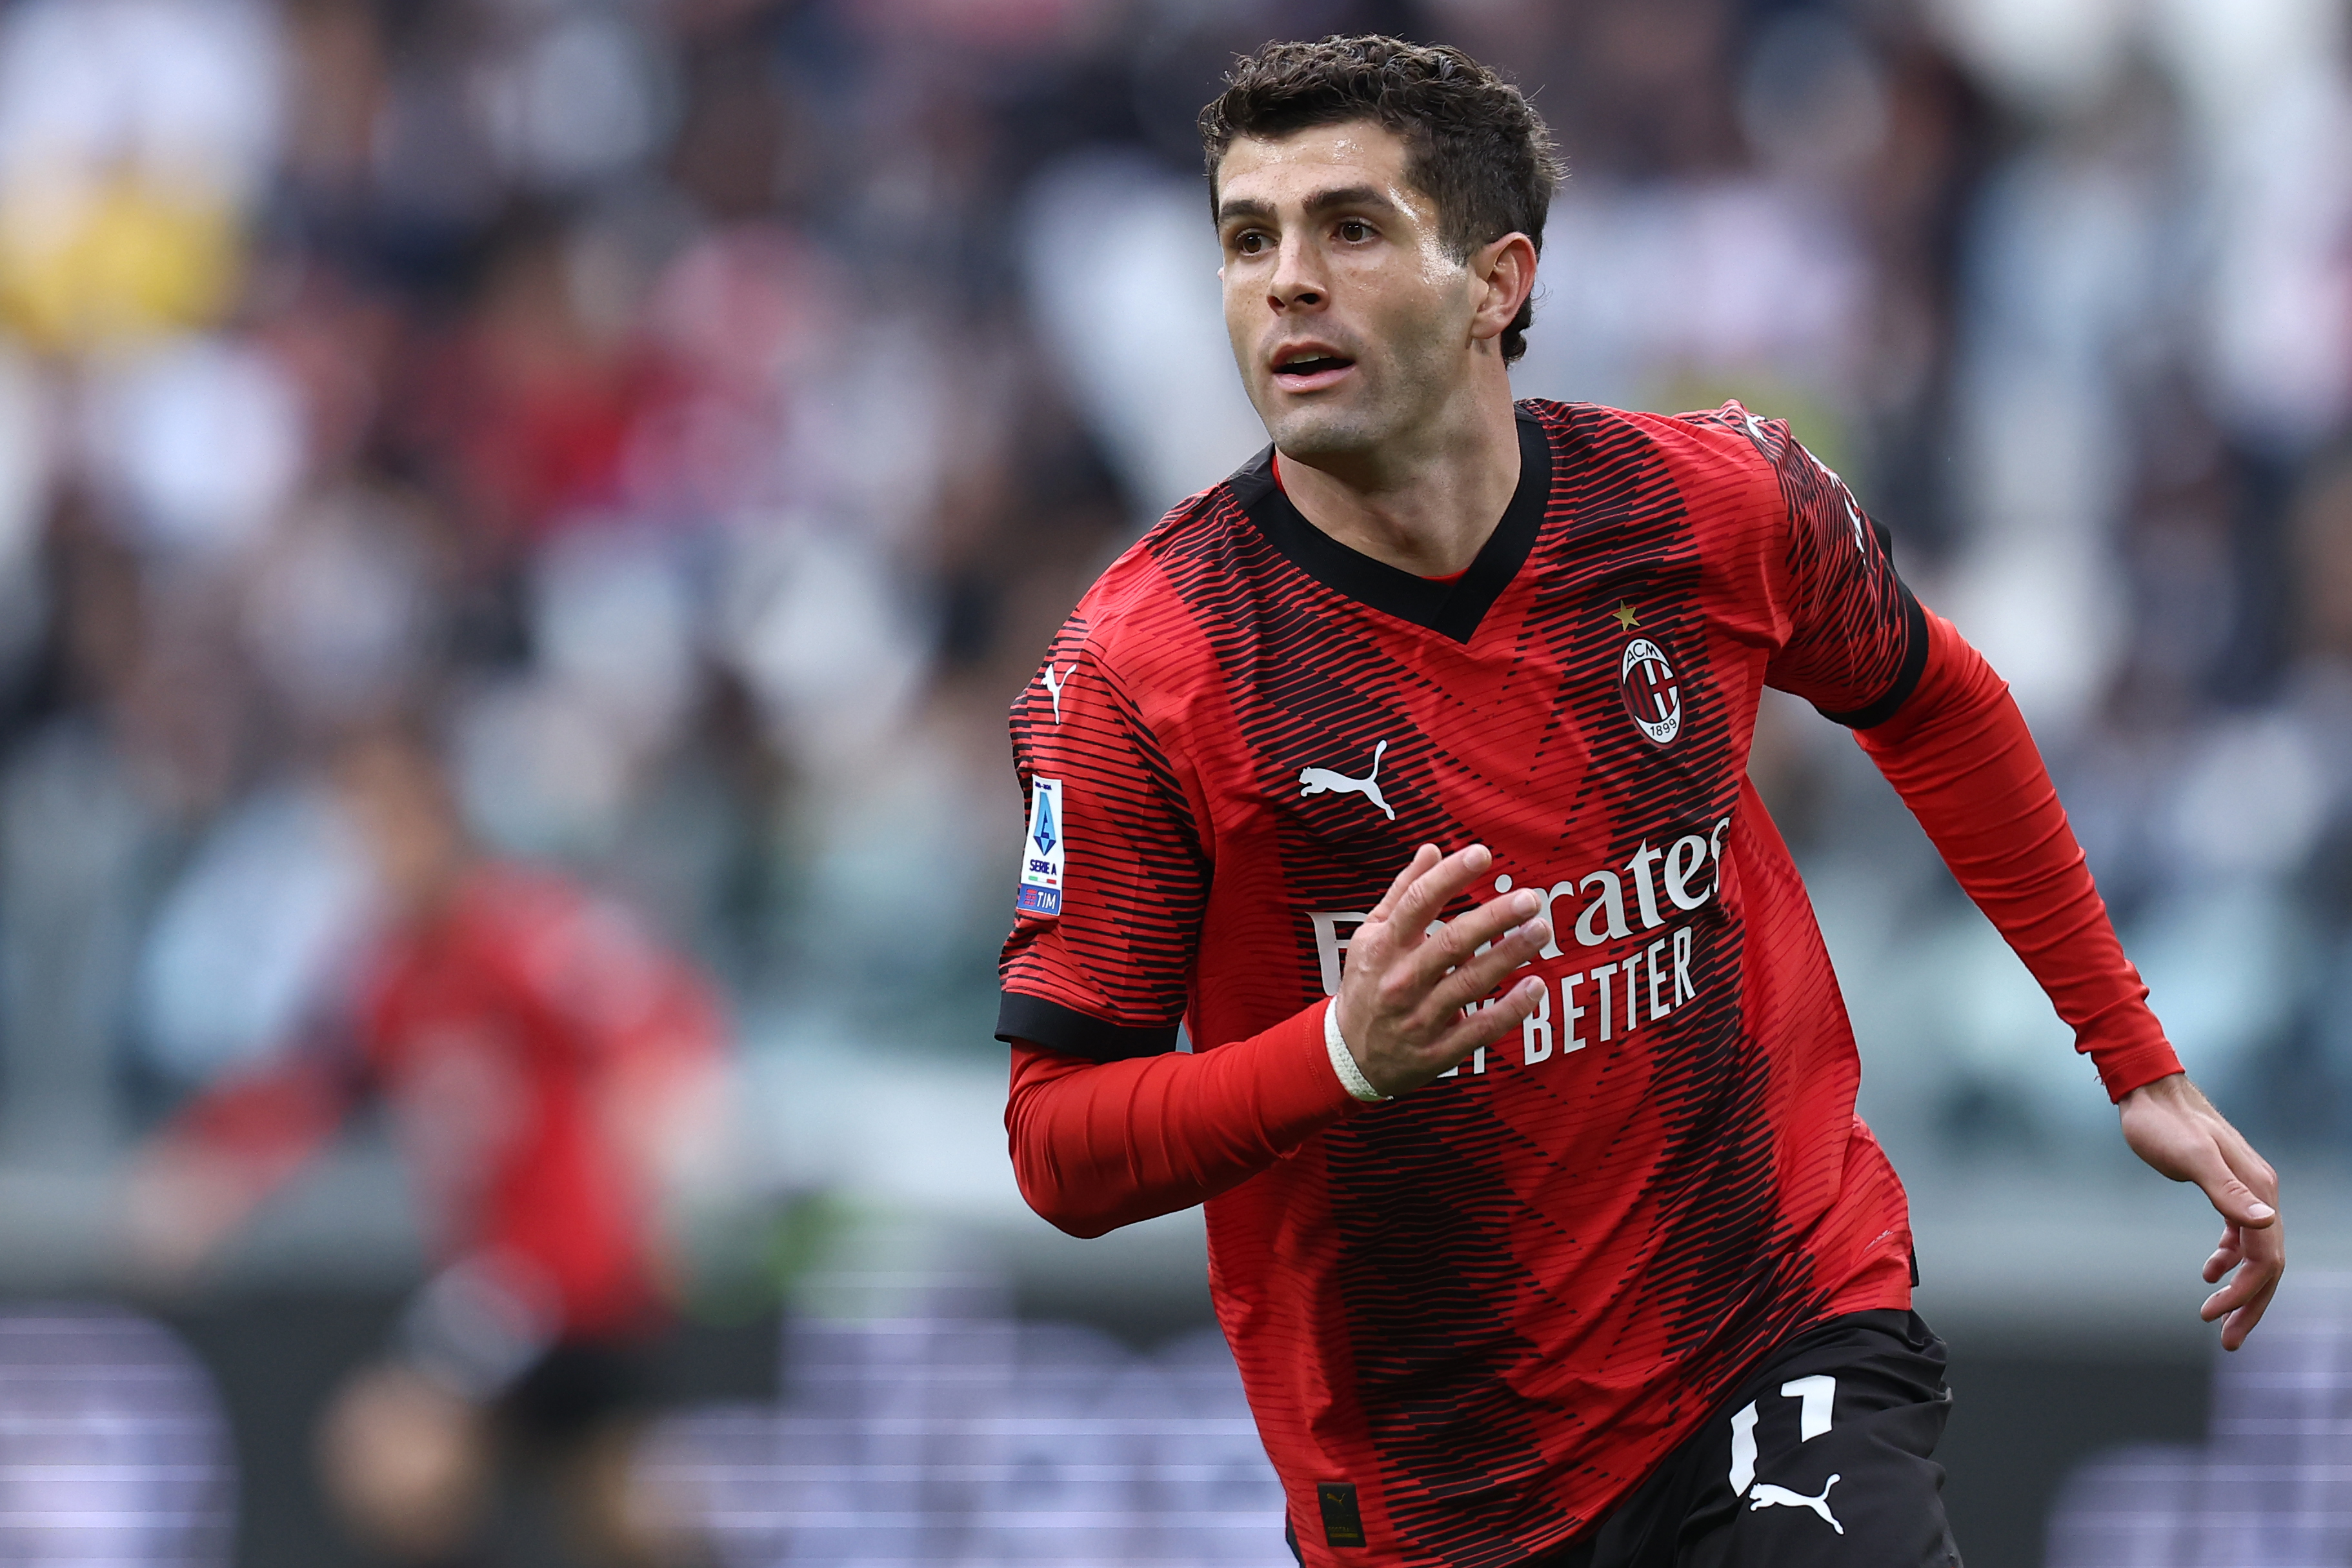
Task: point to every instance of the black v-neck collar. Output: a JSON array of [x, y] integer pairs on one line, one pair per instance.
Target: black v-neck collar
[[1449, 609]]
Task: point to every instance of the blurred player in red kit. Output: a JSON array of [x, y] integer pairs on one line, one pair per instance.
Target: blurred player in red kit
[[547, 1067], [1406, 767]]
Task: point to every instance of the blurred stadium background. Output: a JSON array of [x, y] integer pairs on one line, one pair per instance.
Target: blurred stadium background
[[702, 411]]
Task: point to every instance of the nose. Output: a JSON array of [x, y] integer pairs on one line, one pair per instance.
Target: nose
[[1298, 283]]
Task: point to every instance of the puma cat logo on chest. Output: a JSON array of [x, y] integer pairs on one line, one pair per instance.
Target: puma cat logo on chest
[[1316, 781]]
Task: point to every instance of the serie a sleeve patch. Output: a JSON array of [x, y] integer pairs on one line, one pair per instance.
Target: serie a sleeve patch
[[1045, 852]]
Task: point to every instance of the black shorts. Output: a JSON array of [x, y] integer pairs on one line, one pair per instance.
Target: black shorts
[[574, 1391], [1820, 1459]]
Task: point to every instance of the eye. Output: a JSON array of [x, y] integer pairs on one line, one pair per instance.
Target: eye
[[1250, 242], [1355, 230]]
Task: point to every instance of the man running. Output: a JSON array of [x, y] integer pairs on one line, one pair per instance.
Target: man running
[[1407, 768], [550, 1070]]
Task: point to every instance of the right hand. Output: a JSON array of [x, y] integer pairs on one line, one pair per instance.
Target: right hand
[[1401, 996]]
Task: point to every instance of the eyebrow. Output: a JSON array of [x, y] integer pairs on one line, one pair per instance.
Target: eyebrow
[[1321, 200]]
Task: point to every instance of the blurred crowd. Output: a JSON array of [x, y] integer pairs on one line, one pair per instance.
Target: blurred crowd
[[696, 414], [675, 427]]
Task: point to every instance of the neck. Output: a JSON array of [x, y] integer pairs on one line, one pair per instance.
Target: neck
[[1424, 501]]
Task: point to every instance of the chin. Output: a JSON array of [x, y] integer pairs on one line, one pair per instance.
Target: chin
[[1310, 433]]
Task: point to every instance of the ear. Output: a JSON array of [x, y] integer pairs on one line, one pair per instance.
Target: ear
[[1503, 274]]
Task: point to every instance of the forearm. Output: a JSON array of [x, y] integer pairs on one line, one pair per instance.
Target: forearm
[[1097, 1145], [199, 1177], [266, 1124], [1959, 754]]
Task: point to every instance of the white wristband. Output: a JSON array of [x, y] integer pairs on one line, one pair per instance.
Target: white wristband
[[1343, 1060]]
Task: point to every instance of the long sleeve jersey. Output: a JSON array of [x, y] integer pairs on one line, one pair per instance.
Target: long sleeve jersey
[[1486, 1309]]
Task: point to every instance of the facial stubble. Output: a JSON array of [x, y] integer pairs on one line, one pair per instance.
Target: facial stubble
[[1399, 387]]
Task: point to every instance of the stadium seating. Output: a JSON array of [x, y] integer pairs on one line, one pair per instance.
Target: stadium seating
[[2272, 1486]]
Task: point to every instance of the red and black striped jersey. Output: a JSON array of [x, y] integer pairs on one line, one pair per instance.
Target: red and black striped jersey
[[1493, 1305]]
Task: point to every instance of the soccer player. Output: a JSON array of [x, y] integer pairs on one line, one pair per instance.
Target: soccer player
[[1407, 768], [544, 1063]]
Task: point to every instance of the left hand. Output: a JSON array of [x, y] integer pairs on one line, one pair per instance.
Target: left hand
[[178, 1205], [2172, 1126]]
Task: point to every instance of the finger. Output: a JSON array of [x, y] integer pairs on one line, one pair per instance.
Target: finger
[[1487, 1024], [2239, 1203], [1428, 894], [1474, 981], [1460, 939], [2242, 1319], [1425, 857], [2244, 1297], [1458, 942], [2228, 1253], [2249, 1167]]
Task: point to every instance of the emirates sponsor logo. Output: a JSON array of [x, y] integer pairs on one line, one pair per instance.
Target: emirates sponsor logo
[[1635, 909]]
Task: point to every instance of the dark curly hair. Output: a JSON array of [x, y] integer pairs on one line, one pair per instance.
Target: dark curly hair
[[1474, 144]]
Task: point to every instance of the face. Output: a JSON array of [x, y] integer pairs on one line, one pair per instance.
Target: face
[[401, 805], [1349, 317]]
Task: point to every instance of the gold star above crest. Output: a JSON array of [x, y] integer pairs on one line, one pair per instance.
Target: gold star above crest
[[1625, 616]]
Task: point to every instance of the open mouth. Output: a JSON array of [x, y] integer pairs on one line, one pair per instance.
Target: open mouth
[[1308, 371]]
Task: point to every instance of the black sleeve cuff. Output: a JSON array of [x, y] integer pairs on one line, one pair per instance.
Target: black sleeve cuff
[[1021, 1017], [1907, 678]]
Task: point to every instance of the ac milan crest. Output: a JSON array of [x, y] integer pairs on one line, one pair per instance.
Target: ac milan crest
[[1653, 697]]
